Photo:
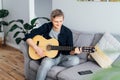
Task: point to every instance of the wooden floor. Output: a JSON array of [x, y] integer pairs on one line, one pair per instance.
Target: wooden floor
[[11, 64]]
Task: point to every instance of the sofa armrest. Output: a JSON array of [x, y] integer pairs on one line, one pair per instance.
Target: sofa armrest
[[24, 50]]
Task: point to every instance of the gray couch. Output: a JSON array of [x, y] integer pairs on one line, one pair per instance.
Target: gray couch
[[63, 73]]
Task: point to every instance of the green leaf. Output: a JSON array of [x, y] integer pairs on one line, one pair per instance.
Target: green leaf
[[28, 26], [45, 18], [18, 40], [24, 32], [14, 27], [35, 19], [12, 21], [16, 34], [4, 23], [3, 13], [19, 20]]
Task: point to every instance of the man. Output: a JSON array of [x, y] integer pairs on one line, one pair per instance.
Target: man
[[54, 29]]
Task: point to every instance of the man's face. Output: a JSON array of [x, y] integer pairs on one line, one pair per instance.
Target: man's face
[[57, 22]]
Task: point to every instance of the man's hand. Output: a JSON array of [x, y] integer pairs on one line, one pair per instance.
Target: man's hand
[[76, 51], [39, 51]]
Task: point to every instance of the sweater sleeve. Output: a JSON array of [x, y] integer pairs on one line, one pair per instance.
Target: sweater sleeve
[[36, 31]]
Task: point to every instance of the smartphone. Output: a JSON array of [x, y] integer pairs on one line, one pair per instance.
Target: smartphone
[[85, 72]]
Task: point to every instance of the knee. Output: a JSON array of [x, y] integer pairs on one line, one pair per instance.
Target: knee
[[47, 62], [75, 60]]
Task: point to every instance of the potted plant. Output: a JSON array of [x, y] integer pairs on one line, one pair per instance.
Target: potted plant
[[24, 29], [3, 14]]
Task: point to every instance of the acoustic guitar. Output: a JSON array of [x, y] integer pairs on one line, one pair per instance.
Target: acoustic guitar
[[51, 47]]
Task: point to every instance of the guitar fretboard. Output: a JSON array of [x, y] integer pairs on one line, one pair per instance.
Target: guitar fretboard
[[62, 48], [66, 48]]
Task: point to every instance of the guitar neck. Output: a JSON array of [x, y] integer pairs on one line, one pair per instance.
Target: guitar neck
[[62, 48], [67, 48]]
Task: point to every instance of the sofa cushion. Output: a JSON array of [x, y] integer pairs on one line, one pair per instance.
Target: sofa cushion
[[72, 73], [75, 35], [51, 74], [54, 71], [108, 49], [96, 39], [84, 39], [34, 65]]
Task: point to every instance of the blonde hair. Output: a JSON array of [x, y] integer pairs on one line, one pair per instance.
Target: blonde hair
[[56, 12]]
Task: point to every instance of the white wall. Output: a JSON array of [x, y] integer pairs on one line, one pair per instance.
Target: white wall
[[43, 8], [90, 16], [19, 9], [0, 4], [0, 7]]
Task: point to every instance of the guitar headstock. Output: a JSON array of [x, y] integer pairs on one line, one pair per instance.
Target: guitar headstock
[[90, 49]]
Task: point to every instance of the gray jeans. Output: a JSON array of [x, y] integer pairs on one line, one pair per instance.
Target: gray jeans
[[62, 60]]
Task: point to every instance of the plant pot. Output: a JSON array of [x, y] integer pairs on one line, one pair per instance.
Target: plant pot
[[1, 38]]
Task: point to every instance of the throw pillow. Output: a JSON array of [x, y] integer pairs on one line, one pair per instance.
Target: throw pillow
[[107, 50]]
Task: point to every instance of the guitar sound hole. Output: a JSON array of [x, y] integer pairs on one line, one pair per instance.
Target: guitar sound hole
[[48, 47], [37, 43]]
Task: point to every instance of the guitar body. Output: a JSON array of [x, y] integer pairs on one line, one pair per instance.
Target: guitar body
[[43, 43]]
